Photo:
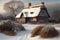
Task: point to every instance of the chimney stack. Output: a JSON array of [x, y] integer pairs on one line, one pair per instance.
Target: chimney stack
[[42, 5], [29, 4]]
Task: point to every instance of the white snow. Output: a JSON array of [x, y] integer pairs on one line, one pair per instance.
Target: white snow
[[25, 35]]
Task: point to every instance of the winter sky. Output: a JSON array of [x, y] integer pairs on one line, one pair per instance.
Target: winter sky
[[26, 1], [38, 1]]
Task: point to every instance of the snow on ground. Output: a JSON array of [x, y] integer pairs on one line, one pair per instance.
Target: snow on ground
[[25, 35], [20, 35]]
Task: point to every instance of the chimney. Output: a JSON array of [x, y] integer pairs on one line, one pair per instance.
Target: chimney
[[29, 4], [42, 5]]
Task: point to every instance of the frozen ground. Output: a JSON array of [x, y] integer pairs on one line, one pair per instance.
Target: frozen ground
[[25, 35]]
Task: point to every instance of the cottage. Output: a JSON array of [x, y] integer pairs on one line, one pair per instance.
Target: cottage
[[33, 14]]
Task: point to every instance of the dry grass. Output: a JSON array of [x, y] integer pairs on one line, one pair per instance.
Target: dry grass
[[36, 31], [48, 32]]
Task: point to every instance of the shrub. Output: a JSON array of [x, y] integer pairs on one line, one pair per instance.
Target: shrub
[[48, 32], [36, 31], [8, 27]]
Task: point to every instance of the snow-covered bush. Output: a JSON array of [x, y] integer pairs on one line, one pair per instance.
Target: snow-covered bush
[[8, 27], [48, 32], [36, 31], [5, 25], [18, 27]]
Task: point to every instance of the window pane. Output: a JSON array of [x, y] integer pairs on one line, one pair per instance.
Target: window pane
[[26, 14], [31, 12]]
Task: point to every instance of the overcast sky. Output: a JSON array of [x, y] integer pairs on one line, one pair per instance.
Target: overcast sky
[[38, 1], [26, 1]]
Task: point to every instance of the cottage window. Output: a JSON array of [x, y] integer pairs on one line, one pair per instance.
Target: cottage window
[[26, 14], [31, 12]]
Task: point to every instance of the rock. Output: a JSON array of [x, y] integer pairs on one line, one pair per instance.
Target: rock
[[36, 31], [48, 32]]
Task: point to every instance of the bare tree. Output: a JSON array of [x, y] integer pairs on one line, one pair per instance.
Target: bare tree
[[14, 7]]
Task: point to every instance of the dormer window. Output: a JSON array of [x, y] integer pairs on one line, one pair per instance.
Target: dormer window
[[31, 12], [26, 14]]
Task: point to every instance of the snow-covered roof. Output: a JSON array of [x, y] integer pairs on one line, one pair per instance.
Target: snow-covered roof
[[29, 12]]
